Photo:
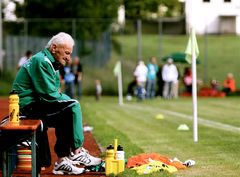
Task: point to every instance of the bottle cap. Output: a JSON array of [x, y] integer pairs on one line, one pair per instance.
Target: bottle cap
[[110, 146], [120, 148], [13, 92]]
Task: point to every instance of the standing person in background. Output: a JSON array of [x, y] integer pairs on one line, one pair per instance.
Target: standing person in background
[[151, 78], [69, 79], [170, 76], [23, 59], [98, 89], [160, 81], [176, 85], [141, 77], [77, 71], [187, 80], [37, 84]]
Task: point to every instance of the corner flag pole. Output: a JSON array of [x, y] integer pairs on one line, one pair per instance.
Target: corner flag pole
[[194, 87], [118, 73], [192, 53], [120, 92]]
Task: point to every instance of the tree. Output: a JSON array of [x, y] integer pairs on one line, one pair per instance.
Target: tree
[[136, 9], [91, 16]]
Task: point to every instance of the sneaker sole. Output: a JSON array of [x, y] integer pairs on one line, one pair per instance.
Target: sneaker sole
[[68, 173], [79, 163]]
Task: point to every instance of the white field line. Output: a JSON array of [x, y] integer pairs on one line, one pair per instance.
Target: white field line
[[202, 121]]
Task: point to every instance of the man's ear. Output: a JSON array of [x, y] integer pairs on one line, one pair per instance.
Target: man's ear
[[53, 48]]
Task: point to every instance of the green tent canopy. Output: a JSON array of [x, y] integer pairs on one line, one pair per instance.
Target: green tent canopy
[[178, 57]]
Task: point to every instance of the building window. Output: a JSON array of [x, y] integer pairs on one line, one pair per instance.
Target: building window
[[206, 0], [227, 0]]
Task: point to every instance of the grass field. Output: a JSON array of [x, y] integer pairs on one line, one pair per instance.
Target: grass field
[[138, 130]]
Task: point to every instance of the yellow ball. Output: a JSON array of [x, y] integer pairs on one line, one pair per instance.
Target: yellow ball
[[159, 116]]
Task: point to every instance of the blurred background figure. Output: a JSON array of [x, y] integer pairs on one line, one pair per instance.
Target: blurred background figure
[[98, 89], [151, 78], [160, 82], [23, 59], [130, 89], [69, 80], [187, 80], [78, 73], [214, 85], [176, 84], [229, 84], [141, 77], [170, 76]]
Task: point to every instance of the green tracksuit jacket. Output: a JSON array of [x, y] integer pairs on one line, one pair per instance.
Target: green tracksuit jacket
[[38, 81]]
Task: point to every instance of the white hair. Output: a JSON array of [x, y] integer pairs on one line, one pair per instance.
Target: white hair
[[60, 38], [170, 60]]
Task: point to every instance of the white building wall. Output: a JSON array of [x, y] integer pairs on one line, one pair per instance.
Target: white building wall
[[205, 16], [238, 25]]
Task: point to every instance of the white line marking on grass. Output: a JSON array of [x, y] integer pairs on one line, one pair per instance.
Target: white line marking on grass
[[206, 122], [202, 121]]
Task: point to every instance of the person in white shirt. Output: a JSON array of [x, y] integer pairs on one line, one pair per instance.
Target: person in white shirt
[[141, 77], [23, 59], [170, 77], [98, 89]]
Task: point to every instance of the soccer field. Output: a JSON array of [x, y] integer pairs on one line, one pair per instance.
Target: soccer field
[[138, 129]]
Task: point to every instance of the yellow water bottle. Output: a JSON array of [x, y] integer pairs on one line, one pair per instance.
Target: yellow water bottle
[[108, 160], [14, 108]]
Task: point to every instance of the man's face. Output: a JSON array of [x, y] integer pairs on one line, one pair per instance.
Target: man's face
[[62, 53]]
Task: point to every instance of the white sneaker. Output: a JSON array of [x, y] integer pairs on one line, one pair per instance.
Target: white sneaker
[[129, 97], [189, 163], [84, 158], [66, 167]]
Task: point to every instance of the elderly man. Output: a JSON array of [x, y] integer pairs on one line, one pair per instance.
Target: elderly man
[[37, 84]]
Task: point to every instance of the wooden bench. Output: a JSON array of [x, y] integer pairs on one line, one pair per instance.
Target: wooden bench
[[11, 135]]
